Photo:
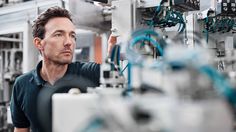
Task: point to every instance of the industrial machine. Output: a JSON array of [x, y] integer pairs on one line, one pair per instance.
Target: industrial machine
[[180, 68], [172, 69], [179, 74]]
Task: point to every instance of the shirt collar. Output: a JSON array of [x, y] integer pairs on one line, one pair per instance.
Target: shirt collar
[[36, 75]]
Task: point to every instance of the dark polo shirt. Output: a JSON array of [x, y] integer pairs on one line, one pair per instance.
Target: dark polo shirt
[[27, 87]]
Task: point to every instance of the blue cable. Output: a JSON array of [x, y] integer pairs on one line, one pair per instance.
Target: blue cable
[[115, 57], [222, 85], [112, 58], [129, 79], [121, 72], [207, 35], [144, 31], [157, 11], [118, 56], [153, 42], [141, 36]]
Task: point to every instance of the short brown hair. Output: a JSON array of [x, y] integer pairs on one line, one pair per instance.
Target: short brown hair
[[42, 19]]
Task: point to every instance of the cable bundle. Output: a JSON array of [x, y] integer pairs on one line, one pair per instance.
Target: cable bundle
[[138, 40], [214, 24], [163, 17]]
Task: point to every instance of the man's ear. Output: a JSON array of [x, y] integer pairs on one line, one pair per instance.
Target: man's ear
[[38, 43]]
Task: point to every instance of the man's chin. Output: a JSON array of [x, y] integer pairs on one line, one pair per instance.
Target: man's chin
[[63, 62]]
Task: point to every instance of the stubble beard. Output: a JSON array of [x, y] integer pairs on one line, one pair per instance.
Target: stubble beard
[[61, 60]]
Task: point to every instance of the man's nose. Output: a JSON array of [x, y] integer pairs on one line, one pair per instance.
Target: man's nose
[[68, 41]]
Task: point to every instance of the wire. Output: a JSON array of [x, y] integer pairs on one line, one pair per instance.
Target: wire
[[121, 72], [219, 24], [129, 78], [153, 42], [145, 31], [165, 17], [115, 58], [157, 11], [140, 37], [222, 85]]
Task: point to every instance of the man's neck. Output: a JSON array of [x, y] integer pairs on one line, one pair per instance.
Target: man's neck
[[52, 72]]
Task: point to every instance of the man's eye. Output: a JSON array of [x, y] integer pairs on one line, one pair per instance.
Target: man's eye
[[73, 36], [58, 35]]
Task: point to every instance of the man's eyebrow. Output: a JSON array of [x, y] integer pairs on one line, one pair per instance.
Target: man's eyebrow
[[73, 32], [62, 31]]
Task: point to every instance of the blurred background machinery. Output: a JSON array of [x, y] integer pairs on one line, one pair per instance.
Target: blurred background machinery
[[173, 68], [180, 71]]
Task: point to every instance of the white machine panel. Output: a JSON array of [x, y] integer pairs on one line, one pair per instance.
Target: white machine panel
[[122, 18], [148, 3], [69, 112]]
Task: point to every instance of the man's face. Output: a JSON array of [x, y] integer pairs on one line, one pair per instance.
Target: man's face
[[59, 41]]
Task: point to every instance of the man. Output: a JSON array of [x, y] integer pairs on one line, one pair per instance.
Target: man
[[55, 38]]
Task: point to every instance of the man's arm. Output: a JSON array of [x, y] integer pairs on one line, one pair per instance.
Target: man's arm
[[19, 120], [21, 130], [111, 42]]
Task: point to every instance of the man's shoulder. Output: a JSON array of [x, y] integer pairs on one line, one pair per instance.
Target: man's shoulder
[[25, 77], [88, 70], [21, 83], [79, 64]]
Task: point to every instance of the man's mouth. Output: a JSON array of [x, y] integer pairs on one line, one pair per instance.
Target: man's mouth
[[67, 52]]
